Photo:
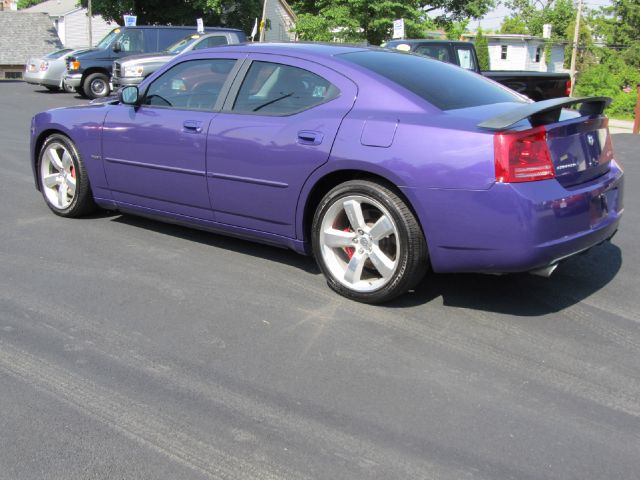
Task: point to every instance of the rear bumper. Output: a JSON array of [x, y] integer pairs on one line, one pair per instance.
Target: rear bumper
[[518, 227]]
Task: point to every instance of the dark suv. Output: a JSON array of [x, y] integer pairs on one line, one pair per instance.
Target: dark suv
[[89, 71]]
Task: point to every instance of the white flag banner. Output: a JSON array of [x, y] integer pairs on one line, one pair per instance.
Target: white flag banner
[[255, 29]]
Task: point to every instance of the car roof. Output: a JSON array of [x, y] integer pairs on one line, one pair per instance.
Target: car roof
[[426, 40], [301, 49]]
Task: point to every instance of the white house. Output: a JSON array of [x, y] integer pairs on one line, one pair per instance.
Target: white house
[[71, 22], [522, 52], [281, 20]]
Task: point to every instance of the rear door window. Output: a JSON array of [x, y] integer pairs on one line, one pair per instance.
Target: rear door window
[[278, 89], [465, 57], [445, 86]]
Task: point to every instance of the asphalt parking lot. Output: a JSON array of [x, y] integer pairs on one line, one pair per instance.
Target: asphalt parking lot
[[131, 349]]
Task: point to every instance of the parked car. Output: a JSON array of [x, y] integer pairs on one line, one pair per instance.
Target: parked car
[[379, 163], [133, 69], [535, 85], [89, 72], [47, 71]]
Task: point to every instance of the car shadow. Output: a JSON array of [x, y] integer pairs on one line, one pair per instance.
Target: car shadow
[[239, 245], [519, 294]]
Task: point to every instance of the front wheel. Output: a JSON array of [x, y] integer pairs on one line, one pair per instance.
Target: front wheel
[[367, 242], [63, 179], [96, 85]]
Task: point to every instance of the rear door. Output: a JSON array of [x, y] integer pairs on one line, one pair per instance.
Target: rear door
[[277, 127]]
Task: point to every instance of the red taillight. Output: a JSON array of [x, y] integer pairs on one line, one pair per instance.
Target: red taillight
[[567, 88], [522, 156]]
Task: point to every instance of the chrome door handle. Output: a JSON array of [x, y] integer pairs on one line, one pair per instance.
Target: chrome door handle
[[309, 137], [192, 126]]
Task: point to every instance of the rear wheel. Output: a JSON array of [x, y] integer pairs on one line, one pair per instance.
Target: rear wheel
[[63, 179], [51, 88], [367, 242], [96, 85]]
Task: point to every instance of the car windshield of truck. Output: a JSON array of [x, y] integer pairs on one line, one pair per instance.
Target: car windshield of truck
[[106, 41], [183, 43], [443, 85]]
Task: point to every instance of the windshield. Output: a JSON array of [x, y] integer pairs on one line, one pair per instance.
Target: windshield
[[104, 43], [183, 43]]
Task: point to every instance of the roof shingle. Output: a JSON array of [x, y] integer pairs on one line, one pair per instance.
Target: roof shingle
[[23, 35]]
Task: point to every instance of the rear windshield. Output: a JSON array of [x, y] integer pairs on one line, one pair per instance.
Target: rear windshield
[[445, 86]]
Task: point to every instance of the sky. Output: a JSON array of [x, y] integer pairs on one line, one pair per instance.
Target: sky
[[494, 18]]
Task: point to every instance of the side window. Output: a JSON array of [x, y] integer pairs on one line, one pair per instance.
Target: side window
[[465, 58], [277, 89], [438, 52], [192, 85], [211, 42], [132, 41]]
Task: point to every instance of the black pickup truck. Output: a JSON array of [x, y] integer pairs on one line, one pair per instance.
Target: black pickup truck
[[535, 85]]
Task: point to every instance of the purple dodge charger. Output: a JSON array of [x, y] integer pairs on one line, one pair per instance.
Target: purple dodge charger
[[381, 164]]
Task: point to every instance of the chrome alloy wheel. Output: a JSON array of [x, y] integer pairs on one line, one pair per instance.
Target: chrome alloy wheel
[[360, 243], [98, 87], [58, 175]]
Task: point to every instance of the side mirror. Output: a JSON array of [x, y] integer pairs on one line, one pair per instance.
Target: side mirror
[[129, 95], [117, 47]]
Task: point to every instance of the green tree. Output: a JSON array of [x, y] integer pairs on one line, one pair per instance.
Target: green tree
[[482, 50], [617, 71], [514, 24], [371, 20], [533, 14], [27, 3], [233, 13], [456, 29]]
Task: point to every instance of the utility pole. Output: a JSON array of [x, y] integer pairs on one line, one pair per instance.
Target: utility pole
[[574, 53], [90, 14], [263, 22]]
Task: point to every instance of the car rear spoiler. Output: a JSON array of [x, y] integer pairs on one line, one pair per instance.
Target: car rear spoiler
[[545, 111]]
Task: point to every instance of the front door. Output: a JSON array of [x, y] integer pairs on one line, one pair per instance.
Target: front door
[[270, 137], [154, 155]]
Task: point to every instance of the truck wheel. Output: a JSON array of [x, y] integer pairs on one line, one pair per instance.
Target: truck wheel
[[96, 85]]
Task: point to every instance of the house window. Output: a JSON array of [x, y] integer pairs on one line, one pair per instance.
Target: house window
[[503, 52], [538, 54], [12, 75]]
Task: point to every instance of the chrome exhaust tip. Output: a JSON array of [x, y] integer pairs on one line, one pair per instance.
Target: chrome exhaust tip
[[545, 271]]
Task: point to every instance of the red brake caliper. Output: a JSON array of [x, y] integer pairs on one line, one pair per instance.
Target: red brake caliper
[[73, 172], [349, 250]]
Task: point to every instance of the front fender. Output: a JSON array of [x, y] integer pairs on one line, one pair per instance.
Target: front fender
[[83, 125]]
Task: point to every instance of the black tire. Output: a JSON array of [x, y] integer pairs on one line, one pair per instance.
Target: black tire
[[406, 245], [81, 202], [51, 88], [79, 91], [96, 85]]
